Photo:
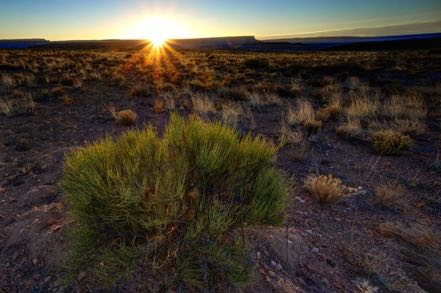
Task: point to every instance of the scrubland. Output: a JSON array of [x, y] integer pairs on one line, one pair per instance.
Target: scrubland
[[156, 170]]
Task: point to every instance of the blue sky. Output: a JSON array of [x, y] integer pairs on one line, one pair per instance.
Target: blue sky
[[100, 19]]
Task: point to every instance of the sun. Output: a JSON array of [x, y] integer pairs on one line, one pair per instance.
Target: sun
[[158, 29], [157, 41]]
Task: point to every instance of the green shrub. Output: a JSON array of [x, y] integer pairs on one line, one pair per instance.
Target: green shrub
[[172, 203], [390, 142]]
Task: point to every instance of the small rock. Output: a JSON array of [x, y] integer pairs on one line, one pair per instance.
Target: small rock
[[315, 250], [299, 199], [35, 261], [309, 231], [273, 263]]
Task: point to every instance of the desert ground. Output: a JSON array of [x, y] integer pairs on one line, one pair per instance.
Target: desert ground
[[358, 136]]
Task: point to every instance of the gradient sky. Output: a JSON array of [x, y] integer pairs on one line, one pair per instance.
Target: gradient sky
[[104, 19]]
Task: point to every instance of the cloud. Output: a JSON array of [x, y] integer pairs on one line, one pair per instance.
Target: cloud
[[390, 30]]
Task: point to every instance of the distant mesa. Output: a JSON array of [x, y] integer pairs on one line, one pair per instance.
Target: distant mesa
[[250, 43], [21, 43]]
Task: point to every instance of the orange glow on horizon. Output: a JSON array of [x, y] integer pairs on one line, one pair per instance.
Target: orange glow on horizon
[[157, 29]]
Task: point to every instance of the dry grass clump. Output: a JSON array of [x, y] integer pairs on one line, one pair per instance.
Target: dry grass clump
[[7, 81], [330, 90], [202, 85], [234, 94], [170, 205], [258, 100], [326, 188], [350, 129], [405, 125], [58, 91], [312, 125], [362, 108], [18, 103], [391, 195], [158, 105], [202, 104], [303, 115], [230, 114], [330, 110], [296, 87], [390, 142], [410, 106], [140, 90], [68, 100], [404, 113], [124, 117], [295, 141], [169, 102]]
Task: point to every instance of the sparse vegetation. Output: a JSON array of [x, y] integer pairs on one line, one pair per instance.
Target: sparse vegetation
[[327, 189], [413, 233], [350, 129], [172, 203], [391, 195], [202, 105], [68, 100], [19, 103], [158, 105], [322, 110], [390, 142], [303, 115], [124, 117], [256, 63], [58, 91]]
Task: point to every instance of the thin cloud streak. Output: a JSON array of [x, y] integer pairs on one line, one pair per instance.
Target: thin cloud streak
[[397, 29]]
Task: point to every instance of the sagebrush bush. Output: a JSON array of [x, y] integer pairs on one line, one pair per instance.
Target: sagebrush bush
[[326, 188], [172, 203], [390, 142], [124, 117]]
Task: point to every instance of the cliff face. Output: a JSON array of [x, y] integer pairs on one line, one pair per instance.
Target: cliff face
[[215, 43]]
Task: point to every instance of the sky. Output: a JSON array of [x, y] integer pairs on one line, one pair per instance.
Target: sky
[[125, 19]]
